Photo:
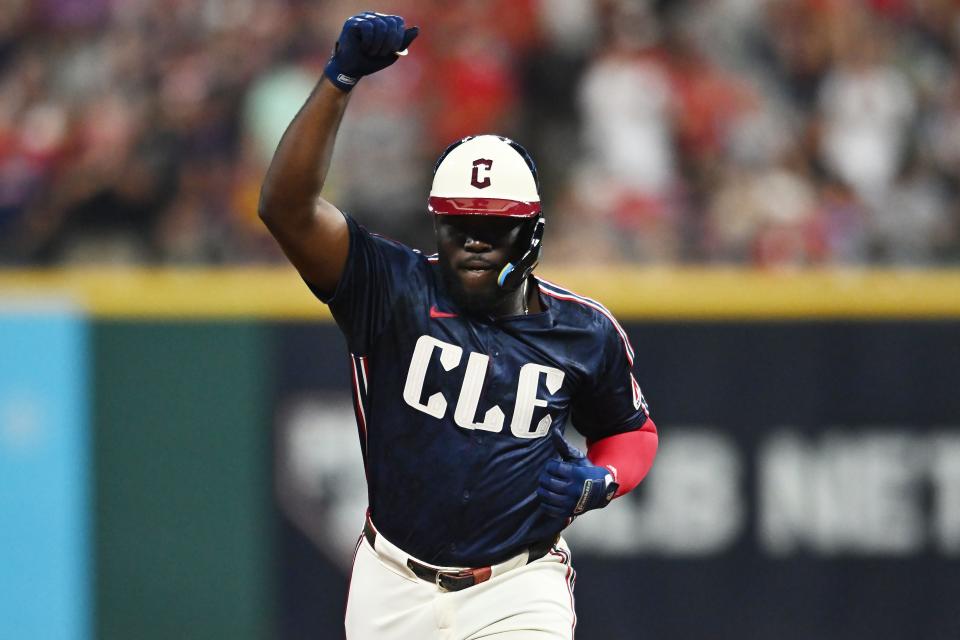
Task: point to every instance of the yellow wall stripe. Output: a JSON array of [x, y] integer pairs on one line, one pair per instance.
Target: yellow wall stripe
[[649, 293]]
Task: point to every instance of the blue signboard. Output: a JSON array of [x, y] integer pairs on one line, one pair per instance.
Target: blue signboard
[[45, 583], [807, 485]]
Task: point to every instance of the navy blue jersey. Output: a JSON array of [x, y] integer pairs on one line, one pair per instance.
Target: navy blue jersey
[[453, 410]]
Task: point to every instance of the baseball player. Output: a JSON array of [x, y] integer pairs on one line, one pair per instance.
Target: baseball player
[[467, 369]]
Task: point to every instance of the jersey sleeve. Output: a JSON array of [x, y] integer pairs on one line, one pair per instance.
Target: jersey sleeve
[[378, 274], [611, 402]]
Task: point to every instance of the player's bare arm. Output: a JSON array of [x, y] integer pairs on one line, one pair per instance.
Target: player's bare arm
[[311, 231]]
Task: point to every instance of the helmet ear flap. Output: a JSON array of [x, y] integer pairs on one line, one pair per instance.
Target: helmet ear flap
[[514, 273]]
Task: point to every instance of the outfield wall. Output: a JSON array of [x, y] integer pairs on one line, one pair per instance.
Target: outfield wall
[[808, 483]]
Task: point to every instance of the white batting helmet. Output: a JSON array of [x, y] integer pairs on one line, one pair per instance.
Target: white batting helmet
[[491, 175], [485, 175]]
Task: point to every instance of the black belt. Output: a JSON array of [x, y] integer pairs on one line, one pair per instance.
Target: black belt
[[457, 580]]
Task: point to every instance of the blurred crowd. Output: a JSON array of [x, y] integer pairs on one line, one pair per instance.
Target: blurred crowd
[[761, 132]]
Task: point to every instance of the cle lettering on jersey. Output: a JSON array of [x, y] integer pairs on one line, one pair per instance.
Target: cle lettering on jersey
[[466, 408]]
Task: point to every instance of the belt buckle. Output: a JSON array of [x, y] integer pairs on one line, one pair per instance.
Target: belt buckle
[[463, 573]]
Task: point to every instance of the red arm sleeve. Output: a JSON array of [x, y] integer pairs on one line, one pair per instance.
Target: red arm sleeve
[[629, 456]]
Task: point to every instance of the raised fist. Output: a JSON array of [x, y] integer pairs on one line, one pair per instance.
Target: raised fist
[[368, 43]]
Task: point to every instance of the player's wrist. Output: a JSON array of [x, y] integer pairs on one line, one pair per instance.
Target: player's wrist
[[597, 490], [339, 78]]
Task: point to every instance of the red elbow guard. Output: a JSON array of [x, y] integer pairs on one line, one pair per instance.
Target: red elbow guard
[[629, 456]]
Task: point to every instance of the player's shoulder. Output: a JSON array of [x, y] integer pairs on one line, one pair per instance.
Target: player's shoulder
[[576, 309], [393, 249]]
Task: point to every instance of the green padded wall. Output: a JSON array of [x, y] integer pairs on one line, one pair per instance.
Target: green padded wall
[[182, 517]]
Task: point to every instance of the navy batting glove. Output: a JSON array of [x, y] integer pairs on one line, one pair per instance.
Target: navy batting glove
[[572, 484], [368, 43]]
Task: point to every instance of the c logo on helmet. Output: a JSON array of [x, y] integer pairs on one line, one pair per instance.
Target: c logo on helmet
[[475, 178]]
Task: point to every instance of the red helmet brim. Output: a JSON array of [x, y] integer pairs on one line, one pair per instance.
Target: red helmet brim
[[482, 207]]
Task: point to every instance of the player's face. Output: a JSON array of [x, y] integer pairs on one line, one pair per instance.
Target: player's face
[[472, 251]]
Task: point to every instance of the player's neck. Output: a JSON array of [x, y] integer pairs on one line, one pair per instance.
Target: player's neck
[[523, 300]]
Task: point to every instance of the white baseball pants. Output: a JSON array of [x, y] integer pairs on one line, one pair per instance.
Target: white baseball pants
[[520, 601]]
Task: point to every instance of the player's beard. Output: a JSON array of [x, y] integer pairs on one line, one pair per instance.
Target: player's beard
[[474, 300]]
